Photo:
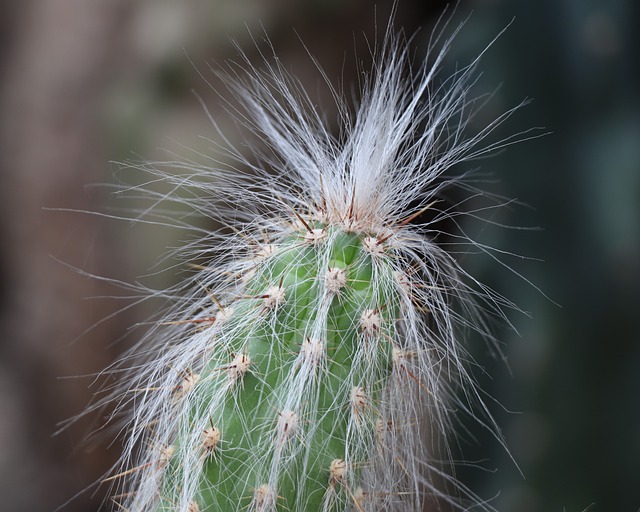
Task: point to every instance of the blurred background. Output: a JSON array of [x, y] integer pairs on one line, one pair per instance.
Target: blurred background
[[83, 84]]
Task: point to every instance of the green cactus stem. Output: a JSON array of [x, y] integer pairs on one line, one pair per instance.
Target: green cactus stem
[[282, 414]]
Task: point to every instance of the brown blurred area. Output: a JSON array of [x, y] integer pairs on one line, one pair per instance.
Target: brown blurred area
[[84, 83]]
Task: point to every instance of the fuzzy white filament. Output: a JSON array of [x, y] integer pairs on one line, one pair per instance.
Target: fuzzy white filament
[[385, 169]]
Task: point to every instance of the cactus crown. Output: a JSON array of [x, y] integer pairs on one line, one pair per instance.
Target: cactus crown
[[311, 364]]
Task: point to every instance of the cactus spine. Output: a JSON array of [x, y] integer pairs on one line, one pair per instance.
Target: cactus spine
[[307, 359]]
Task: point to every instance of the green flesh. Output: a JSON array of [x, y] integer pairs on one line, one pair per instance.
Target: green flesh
[[272, 338]]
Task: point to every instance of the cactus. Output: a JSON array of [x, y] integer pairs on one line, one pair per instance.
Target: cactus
[[312, 361]]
